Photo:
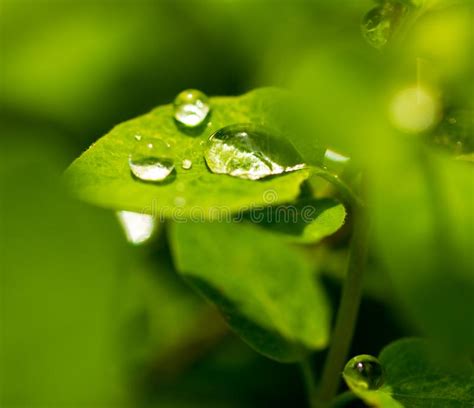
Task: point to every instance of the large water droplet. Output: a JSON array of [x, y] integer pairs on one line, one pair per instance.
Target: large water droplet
[[379, 23], [151, 160], [138, 227], [364, 372], [250, 152], [191, 108]]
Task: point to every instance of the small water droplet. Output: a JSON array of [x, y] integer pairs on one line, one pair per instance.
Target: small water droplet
[[138, 138], [186, 164], [191, 108], [250, 152], [379, 23], [179, 201], [151, 160], [138, 227], [335, 157], [364, 372]]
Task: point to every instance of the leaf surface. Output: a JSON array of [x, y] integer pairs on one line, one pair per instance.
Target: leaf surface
[[264, 288], [101, 175]]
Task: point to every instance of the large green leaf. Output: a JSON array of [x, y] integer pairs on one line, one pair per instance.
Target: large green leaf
[[414, 380], [102, 176], [264, 288]]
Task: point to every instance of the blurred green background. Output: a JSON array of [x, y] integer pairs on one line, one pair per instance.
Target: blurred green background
[[78, 304]]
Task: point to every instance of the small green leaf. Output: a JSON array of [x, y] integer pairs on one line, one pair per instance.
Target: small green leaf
[[265, 289], [414, 380], [102, 175], [307, 221]]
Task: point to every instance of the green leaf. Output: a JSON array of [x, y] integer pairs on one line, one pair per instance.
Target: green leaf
[[414, 380], [264, 288], [102, 176], [307, 221]]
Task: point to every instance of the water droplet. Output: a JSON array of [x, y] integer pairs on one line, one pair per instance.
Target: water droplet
[[250, 152], [151, 160], [335, 161], [179, 201], [415, 110], [335, 157], [364, 372], [138, 227], [138, 138], [186, 164], [379, 23], [191, 108]]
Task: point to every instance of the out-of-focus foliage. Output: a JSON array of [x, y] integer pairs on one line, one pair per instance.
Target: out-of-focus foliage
[[60, 273]]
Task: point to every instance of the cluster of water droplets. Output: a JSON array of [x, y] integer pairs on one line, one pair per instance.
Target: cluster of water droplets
[[364, 372], [242, 150]]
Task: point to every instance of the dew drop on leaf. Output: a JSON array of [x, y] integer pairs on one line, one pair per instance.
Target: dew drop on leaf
[[151, 160], [191, 108], [331, 156], [138, 227], [250, 152], [364, 372], [186, 164], [179, 201], [379, 23]]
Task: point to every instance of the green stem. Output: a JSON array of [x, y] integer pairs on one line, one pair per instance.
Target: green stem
[[309, 381], [344, 190], [343, 400], [348, 309]]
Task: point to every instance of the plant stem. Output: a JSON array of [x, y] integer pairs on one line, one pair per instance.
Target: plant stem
[[342, 400], [348, 309], [344, 190], [309, 381]]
